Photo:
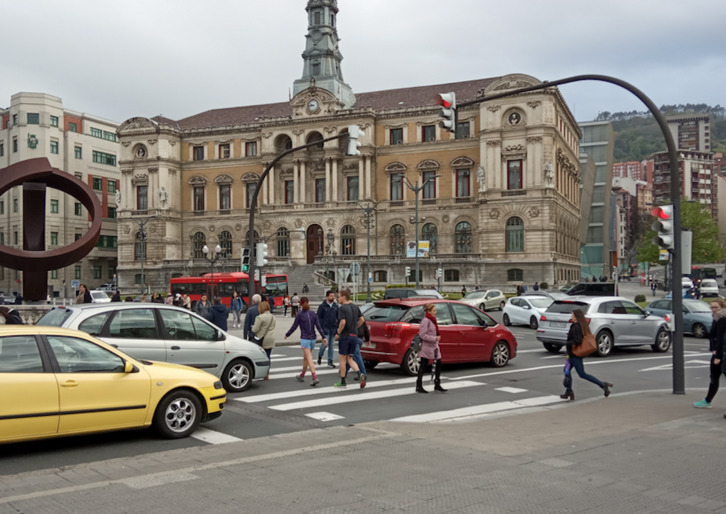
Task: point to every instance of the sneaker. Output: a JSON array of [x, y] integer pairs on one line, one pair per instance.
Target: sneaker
[[362, 381], [320, 359], [300, 378], [340, 385], [315, 382], [703, 404], [330, 364]]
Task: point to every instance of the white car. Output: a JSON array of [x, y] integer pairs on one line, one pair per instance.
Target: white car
[[100, 296], [484, 300], [686, 283], [525, 310], [708, 287]]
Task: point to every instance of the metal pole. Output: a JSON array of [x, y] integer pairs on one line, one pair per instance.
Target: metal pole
[[368, 258], [416, 190]]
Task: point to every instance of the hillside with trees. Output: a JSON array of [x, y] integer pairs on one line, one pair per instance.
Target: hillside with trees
[[637, 135]]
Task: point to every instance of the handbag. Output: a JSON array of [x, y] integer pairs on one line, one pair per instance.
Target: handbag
[[416, 343], [586, 347]]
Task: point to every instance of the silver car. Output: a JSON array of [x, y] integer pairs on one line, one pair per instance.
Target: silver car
[[525, 310], [160, 332], [485, 300], [613, 320]]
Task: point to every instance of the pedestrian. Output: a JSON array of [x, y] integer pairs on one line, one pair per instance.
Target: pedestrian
[[264, 330], [169, 300], [202, 307], [349, 320], [463, 291], [236, 306], [84, 296], [219, 313], [295, 302], [428, 331], [305, 288], [116, 296], [250, 317], [308, 321], [715, 346], [363, 335], [186, 301], [520, 290], [11, 316], [286, 305], [653, 287], [579, 328], [328, 316], [535, 286], [19, 298]]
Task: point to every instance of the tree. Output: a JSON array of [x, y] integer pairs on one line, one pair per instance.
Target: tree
[[697, 218]]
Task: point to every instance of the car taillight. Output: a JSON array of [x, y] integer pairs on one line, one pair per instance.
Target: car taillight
[[395, 328], [588, 320], [543, 318]]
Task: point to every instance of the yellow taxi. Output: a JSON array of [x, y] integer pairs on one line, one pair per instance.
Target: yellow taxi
[[61, 382]]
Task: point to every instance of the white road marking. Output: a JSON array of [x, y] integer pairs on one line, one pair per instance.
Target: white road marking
[[687, 365], [324, 416], [477, 410], [319, 390], [275, 374], [347, 398], [513, 390], [281, 358], [212, 437]]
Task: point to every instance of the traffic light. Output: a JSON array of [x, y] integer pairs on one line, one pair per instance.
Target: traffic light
[[439, 273], [664, 226], [447, 101], [354, 132], [245, 259], [408, 271], [261, 254]]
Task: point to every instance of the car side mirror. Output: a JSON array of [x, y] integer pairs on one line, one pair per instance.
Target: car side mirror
[[527, 307], [130, 367], [220, 336]]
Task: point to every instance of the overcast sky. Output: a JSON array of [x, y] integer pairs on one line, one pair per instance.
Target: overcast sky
[[181, 57]]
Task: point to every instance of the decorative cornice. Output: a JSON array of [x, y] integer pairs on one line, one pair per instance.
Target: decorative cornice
[[197, 180]]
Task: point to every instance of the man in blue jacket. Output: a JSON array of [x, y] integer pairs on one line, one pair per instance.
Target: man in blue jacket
[[218, 314], [328, 316], [250, 318]]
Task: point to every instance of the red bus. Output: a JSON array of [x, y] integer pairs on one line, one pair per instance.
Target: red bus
[[227, 283], [275, 288]]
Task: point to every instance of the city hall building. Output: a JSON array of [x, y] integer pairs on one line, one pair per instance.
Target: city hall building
[[498, 201]]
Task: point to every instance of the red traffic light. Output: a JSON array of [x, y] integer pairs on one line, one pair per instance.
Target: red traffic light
[[446, 100], [665, 212]]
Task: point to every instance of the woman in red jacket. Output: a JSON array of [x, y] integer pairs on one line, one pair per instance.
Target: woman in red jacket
[[428, 331]]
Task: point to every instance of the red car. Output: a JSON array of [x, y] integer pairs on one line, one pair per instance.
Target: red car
[[467, 334]]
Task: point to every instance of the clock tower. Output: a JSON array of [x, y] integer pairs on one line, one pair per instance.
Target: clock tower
[[322, 57]]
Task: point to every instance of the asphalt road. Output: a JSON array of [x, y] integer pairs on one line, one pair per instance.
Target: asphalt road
[[283, 405]]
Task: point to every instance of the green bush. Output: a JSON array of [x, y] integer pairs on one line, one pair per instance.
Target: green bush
[[544, 285], [640, 298]]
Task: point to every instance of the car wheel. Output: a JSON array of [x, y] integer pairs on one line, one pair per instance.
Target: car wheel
[[482, 307], [662, 341], [533, 324], [237, 376], [410, 363], [552, 348], [699, 330], [505, 320], [501, 306], [370, 364], [178, 414], [604, 344], [500, 354]]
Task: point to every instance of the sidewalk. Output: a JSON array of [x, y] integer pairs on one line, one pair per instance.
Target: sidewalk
[[640, 452]]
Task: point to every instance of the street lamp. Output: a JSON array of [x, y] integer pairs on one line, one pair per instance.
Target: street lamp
[[416, 189], [369, 210], [554, 266], [141, 249], [215, 257]]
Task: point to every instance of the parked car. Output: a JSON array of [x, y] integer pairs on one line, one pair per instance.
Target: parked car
[[613, 320], [467, 334], [554, 295], [61, 382], [592, 289], [709, 287], [409, 292], [160, 332], [525, 310], [686, 283], [485, 300], [99, 296], [697, 316]]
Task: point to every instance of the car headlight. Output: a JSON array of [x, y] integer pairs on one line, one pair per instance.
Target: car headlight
[[218, 384]]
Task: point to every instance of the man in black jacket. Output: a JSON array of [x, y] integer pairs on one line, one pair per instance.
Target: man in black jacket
[[250, 317]]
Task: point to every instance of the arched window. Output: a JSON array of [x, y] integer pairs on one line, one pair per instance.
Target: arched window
[[347, 240], [515, 234], [247, 238], [380, 276], [140, 247], [462, 237], [312, 137], [398, 243], [225, 242], [430, 233], [283, 242], [198, 242], [282, 143]]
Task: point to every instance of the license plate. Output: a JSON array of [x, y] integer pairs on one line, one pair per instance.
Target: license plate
[[558, 324], [369, 345]]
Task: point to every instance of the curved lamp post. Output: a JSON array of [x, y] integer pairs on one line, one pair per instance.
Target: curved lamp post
[[212, 260]]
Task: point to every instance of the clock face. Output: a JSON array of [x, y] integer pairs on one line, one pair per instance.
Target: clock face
[[514, 118], [313, 105]]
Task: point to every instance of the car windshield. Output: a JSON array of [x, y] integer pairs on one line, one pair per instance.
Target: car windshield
[[563, 307], [540, 303], [698, 306], [709, 282], [475, 295], [384, 312], [55, 317]]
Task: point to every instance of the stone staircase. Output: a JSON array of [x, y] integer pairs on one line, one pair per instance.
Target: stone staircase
[[297, 276]]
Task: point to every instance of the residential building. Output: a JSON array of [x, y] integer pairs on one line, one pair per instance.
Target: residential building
[[691, 131], [696, 172]]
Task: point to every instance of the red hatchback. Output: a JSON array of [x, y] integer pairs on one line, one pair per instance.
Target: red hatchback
[[467, 334]]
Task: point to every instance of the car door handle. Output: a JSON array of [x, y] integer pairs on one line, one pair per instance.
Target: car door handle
[[69, 383], [176, 347]]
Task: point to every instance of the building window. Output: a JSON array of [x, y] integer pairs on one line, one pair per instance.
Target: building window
[[111, 272], [104, 158], [33, 118], [198, 153], [283, 242], [76, 237], [78, 152], [15, 119], [396, 137], [15, 237], [251, 149], [15, 205], [97, 272], [54, 147], [15, 144], [97, 184], [54, 121], [515, 234], [54, 238], [78, 209], [225, 243], [79, 176], [198, 198], [397, 237], [224, 151], [251, 188], [319, 190], [397, 187], [225, 200], [428, 133], [112, 212], [72, 127], [462, 237], [198, 242], [140, 247], [429, 181], [96, 132], [110, 136], [462, 130], [53, 273], [462, 183], [353, 189], [347, 240], [380, 276], [451, 275], [142, 198], [107, 242], [289, 191], [54, 206], [111, 186], [514, 174], [430, 233], [2, 206], [515, 275], [77, 272], [2, 148]]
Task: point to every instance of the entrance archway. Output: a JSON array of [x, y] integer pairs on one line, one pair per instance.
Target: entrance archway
[[315, 242]]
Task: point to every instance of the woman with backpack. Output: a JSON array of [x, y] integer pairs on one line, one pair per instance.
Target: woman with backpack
[[578, 330]]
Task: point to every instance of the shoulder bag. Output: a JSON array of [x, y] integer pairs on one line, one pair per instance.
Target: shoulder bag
[[586, 347]]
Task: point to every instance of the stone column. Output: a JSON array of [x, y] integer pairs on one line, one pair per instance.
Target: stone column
[[361, 178], [327, 181], [271, 186], [368, 158], [335, 180], [303, 194], [296, 184]]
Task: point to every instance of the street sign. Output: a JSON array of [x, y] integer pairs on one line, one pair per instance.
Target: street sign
[[75, 284], [354, 268], [370, 277]]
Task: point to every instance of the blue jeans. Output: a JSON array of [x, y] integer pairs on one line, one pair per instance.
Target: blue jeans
[[580, 368], [330, 337]]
